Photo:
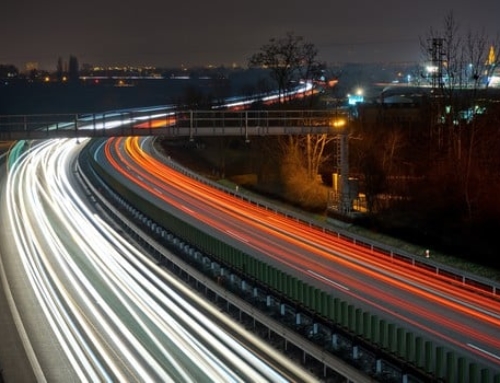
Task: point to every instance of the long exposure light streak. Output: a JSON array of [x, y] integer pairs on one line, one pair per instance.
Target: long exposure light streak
[[110, 307], [431, 304]]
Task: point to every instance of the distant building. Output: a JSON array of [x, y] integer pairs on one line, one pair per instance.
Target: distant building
[[396, 105]]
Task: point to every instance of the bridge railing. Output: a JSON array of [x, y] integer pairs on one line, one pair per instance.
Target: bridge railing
[[165, 121], [24, 124]]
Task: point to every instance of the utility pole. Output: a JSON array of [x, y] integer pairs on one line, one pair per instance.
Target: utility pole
[[345, 198], [342, 198]]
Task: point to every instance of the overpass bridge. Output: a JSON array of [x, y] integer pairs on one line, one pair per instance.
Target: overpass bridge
[[165, 121]]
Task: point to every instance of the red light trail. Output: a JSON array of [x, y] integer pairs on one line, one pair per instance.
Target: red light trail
[[424, 301]]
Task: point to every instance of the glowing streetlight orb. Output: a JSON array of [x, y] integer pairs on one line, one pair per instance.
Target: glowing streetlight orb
[[338, 122]]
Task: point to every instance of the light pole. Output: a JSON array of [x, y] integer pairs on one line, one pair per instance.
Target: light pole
[[345, 198], [344, 202]]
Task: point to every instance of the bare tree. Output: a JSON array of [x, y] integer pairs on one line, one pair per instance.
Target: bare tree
[[442, 50], [307, 152], [301, 158], [287, 58], [462, 66], [311, 69], [457, 61], [60, 69], [73, 69], [290, 59]]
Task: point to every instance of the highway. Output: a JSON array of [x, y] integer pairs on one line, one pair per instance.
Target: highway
[[92, 307], [430, 305]]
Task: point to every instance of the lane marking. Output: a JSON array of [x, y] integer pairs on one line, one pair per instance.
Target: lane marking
[[328, 280], [237, 236], [483, 351], [185, 208]]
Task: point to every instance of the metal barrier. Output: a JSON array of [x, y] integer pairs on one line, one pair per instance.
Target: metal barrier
[[167, 122]]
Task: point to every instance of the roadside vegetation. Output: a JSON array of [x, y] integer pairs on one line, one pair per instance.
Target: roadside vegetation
[[428, 183]]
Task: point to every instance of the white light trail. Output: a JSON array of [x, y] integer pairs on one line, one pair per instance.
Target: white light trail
[[108, 305]]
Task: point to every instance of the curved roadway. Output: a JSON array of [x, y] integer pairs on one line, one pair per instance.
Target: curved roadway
[[426, 303], [94, 308]]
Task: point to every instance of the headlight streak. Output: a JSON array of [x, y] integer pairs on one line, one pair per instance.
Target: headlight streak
[[107, 305], [26, 241], [156, 276], [37, 264]]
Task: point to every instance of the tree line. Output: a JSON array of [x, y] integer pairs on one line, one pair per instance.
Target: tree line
[[434, 180]]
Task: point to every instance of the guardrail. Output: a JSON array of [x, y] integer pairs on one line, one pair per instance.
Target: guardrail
[[415, 354], [164, 121], [457, 276]]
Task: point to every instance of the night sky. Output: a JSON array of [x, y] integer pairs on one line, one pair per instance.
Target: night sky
[[222, 32]]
